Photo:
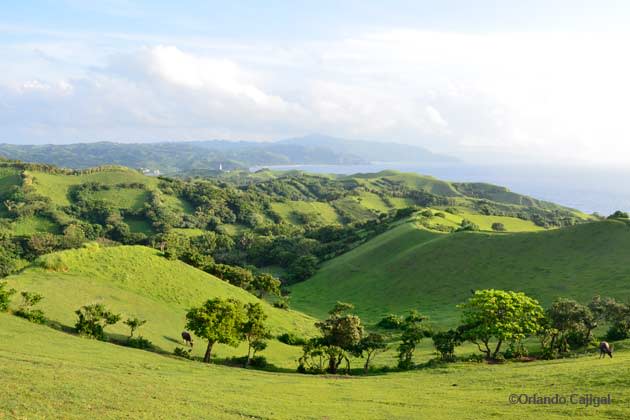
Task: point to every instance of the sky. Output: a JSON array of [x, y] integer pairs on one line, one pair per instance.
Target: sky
[[486, 81]]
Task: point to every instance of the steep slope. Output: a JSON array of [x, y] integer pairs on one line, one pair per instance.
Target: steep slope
[[136, 281], [409, 268]]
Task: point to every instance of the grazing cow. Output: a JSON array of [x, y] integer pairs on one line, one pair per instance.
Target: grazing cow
[[187, 338], [605, 349]]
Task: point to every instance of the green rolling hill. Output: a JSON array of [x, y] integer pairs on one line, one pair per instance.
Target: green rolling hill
[[410, 267], [136, 281]]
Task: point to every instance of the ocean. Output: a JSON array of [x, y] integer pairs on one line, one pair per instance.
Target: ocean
[[586, 188]]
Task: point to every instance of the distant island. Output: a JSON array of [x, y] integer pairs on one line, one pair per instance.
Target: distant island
[[221, 155]]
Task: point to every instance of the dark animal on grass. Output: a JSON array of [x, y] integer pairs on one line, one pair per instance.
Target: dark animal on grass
[[187, 338], [605, 349]]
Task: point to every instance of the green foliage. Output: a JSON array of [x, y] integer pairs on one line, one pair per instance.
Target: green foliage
[[92, 320], [391, 322], [503, 316], [303, 268], [467, 225], [218, 321], [133, 324], [341, 334], [445, 343], [368, 347], [26, 310], [291, 339], [265, 284], [254, 330], [498, 227], [413, 329], [569, 324], [5, 296], [182, 352], [618, 215]]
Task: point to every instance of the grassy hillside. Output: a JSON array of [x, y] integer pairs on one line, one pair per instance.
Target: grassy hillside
[[46, 373], [56, 186], [136, 281], [409, 267]]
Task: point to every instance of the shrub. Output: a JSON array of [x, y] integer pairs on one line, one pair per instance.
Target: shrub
[[92, 320], [282, 304], [259, 362], [616, 332], [467, 226], [291, 339], [26, 310], [390, 322], [182, 352], [498, 227], [5, 296], [426, 213], [440, 214], [138, 343], [445, 343]]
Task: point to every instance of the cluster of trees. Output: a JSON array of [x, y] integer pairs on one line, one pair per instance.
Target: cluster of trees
[[342, 336], [230, 322], [494, 319]]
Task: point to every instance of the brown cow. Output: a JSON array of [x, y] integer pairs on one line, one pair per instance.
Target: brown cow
[[605, 349], [187, 338]]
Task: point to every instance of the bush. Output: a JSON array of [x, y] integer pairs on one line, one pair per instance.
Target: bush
[[138, 343], [445, 343], [390, 322], [26, 310], [440, 214], [182, 352], [92, 320], [259, 362], [291, 339], [498, 227], [5, 296], [426, 213], [282, 304], [467, 226], [616, 332]]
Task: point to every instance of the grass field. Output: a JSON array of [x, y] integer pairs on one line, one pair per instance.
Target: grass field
[[411, 268], [56, 186], [33, 224], [322, 211], [136, 281], [47, 373]]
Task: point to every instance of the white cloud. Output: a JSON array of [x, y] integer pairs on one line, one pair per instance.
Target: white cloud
[[536, 94]]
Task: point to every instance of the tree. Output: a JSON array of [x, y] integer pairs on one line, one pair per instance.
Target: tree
[[218, 321], [413, 330], [499, 315], [92, 320], [618, 215], [133, 324], [467, 225], [266, 284], [341, 334], [369, 346], [445, 343], [569, 322], [303, 267], [5, 296], [254, 330], [498, 227], [616, 313]]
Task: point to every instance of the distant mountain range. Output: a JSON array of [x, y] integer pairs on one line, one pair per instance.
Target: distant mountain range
[[179, 157]]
